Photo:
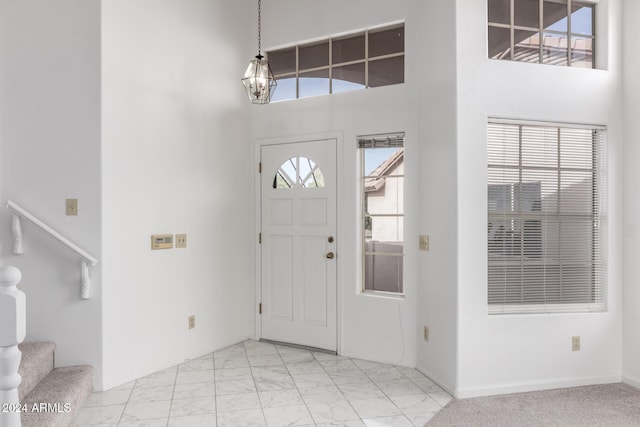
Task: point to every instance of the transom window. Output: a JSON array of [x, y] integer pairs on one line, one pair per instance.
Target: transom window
[[557, 32], [356, 61], [545, 220], [382, 198]]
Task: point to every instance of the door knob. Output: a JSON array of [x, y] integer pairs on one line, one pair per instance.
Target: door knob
[[330, 255]]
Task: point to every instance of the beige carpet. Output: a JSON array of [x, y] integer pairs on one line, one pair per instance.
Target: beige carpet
[[608, 405]]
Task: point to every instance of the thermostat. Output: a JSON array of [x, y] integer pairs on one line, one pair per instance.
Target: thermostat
[[162, 241]]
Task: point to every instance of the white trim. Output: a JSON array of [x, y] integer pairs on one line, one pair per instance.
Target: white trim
[[535, 309], [398, 296], [258, 144], [124, 379], [632, 381], [491, 119], [340, 233], [257, 229], [336, 36], [527, 386], [436, 380]]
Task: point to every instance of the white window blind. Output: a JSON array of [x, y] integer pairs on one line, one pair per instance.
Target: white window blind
[[545, 196]]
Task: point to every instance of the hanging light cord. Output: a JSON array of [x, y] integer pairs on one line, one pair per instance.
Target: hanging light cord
[[259, 30]]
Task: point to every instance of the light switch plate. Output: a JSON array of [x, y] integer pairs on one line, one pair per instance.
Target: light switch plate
[[181, 240]]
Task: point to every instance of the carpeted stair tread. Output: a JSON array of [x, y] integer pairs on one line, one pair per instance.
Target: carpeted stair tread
[[63, 393], [36, 363]]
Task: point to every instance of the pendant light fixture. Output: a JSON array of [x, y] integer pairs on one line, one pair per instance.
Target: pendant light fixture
[[258, 80]]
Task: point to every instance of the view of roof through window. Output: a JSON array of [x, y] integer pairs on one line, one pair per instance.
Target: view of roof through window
[[356, 61], [556, 32]]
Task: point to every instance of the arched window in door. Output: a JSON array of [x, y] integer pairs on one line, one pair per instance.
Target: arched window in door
[[298, 172]]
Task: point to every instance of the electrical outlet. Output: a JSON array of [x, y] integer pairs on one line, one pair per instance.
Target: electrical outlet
[[71, 207], [426, 333], [423, 243], [181, 240], [575, 343], [192, 322]]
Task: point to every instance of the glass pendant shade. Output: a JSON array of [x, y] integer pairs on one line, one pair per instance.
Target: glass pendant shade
[[258, 81]]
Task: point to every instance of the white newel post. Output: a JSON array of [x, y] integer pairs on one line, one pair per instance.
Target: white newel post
[[12, 332]]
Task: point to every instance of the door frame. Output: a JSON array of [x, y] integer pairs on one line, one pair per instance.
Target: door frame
[[258, 144]]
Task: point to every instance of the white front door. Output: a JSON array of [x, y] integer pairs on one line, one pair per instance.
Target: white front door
[[298, 277]]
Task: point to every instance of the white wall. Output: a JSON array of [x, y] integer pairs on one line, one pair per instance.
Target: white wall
[[177, 158], [433, 64], [517, 352], [631, 332], [50, 145], [374, 328]]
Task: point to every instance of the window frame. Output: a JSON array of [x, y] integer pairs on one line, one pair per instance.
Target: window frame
[[330, 66], [392, 140], [597, 286], [541, 31]]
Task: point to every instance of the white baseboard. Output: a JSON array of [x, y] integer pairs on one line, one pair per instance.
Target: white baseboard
[[635, 382], [170, 364], [494, 389], [437, 380], [373, 358], [129, 378]]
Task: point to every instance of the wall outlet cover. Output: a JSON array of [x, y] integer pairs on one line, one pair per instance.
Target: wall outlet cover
[[71, 207], [575, 343], [423, 244]]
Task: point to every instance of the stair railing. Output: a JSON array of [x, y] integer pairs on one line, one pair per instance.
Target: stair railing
[[12, 332], [16, 227]]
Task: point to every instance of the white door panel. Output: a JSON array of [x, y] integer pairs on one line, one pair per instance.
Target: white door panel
[[298, 217]]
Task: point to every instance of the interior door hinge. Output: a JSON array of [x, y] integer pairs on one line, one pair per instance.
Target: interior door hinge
[[260, 238], [260, 308], [260, 167]]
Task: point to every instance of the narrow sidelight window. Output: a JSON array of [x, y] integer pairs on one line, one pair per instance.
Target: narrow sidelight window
[[382, 211]]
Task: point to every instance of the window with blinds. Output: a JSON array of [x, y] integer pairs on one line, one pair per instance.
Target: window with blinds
[[545, 192], [382, 210]]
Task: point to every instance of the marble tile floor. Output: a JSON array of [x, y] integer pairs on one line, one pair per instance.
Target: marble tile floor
[[260, 384]]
